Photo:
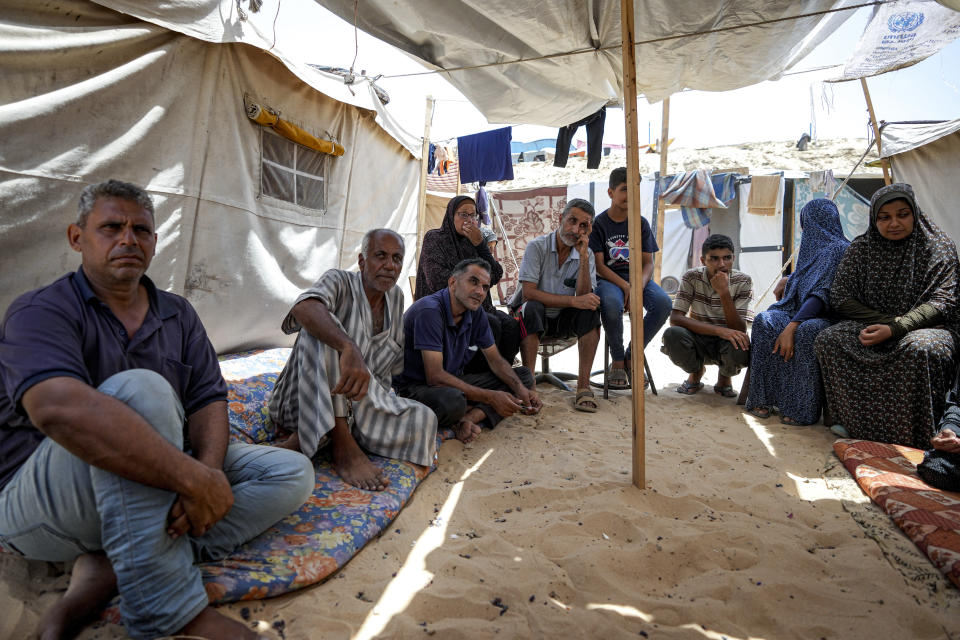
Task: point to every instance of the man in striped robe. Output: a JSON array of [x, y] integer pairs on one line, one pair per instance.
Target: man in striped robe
[[349, 346]]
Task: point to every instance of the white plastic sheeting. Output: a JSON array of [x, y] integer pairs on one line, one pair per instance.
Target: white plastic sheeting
[[90, 94], [901, 34], [559, 90], [927, 156]]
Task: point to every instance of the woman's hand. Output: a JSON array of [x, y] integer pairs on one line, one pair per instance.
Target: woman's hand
[[472, 231], [784, 343], [875, 334], [946, 440]]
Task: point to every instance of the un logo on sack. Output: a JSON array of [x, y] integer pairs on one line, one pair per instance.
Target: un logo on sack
[[906, 21]]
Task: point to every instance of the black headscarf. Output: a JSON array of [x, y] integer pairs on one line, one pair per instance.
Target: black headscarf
[[897, 276], [443, 248]]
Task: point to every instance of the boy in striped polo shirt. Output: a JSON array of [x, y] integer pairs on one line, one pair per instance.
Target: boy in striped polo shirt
[[709, 319]]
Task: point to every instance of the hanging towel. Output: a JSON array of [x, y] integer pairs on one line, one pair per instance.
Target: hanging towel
[[485, 156], [446, 183], [594, 123], [694, 192], [766, 195]]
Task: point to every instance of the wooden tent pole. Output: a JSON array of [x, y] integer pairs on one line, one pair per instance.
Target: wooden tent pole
[[661, 208], [424, 160], [634, 225], [876, 130]]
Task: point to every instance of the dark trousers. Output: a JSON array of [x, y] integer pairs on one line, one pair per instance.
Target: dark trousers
[[571, 322], [594, 123], [691, 351], [506, 335], [451, 404]]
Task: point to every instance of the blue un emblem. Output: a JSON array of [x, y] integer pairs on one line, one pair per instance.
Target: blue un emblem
[[906, 21]]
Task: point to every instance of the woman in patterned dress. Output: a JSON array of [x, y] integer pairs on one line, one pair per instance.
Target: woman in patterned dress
[[783, 368], [887, 366]]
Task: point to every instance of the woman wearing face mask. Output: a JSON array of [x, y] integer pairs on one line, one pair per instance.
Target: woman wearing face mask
[[460, 236], [887, 366]]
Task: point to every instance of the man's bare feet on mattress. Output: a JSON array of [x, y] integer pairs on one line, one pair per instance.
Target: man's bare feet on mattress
[[292, 443], [92, 585], [467, 431], [351, 463], [216, 626]]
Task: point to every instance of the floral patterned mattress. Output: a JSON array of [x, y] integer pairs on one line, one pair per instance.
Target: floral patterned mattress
[[930, 517]]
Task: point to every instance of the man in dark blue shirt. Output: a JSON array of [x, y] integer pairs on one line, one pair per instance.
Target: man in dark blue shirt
[[609, 242], [441, 333], [114, 437]]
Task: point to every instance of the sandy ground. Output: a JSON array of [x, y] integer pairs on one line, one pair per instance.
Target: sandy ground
[[737, 535], [839, 155]]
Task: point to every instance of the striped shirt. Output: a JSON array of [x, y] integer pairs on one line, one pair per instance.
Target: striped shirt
[[383, 422], [698, 297]]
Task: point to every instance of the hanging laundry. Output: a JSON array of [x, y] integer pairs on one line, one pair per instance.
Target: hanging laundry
[[766, 195], [481, 199], [594, 124], [431, 159], [485, 156], [694, 192]]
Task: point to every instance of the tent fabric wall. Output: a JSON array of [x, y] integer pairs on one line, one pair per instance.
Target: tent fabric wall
[[932, 170], [113, 97], [564, 89]]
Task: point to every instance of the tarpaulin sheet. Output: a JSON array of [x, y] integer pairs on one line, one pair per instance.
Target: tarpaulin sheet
[[89, 94], [901, 34], [563, 89]]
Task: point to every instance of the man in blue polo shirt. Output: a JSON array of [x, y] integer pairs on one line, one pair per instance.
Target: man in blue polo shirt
[[441, 334], [114, 437]]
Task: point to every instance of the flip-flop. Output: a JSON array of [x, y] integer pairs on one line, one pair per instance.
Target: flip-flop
[[761, 412], [789, 421], [617, 378], [689, 388], [725, 390], [581, 402]]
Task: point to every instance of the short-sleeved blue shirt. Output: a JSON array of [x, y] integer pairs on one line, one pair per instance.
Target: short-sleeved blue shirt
[[428, 326], [612, 240], [63, 329]]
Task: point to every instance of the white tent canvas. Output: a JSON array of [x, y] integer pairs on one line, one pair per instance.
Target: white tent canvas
[[90, 94], [927, 156]]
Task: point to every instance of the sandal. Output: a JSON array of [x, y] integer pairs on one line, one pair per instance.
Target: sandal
[[585, 401], [617, 378], [726, 391], [689, 388], [789, 421], [761, 412]]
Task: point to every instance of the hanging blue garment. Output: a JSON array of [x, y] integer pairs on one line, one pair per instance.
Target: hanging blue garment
[[482, 205], [431, 159], [485, 156]]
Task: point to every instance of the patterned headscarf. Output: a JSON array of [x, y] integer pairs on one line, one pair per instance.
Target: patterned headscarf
[[442, 249], [896, 276], [821, 247]]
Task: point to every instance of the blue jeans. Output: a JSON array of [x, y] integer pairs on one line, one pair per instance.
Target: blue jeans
[[58, 507], [656, 302]]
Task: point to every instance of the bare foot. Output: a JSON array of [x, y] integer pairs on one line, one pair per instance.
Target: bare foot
[[92, 585], [215, 626], [292, 443], [353, 465], [467, 431], [694, 378]]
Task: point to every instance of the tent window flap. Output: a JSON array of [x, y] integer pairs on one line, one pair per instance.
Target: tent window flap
[[293, 173]]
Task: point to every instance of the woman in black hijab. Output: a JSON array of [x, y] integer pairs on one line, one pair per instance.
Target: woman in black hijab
[[460, 237]]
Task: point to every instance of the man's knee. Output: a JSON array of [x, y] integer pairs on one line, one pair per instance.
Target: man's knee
[[677, 338], [449, 404], [149, 394], [656, 302], [526, 377], [290, 472]]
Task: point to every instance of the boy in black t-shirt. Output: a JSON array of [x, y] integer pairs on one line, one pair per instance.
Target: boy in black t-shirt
[[609, 244]]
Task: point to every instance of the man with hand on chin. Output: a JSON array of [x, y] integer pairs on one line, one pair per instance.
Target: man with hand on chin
[[114, 437], [557, 277], [441, 333], [709, 319]]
